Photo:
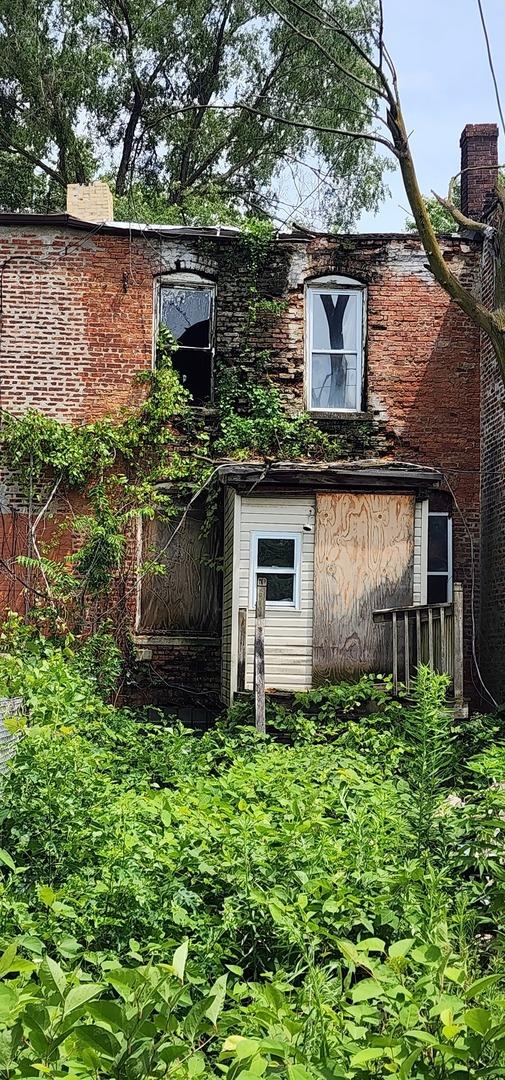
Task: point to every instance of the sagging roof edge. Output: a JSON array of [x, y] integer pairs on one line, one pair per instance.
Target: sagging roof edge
[[218, 232], [349, 475]]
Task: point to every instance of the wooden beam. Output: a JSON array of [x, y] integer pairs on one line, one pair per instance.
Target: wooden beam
[[259, 656], [458, 642], [241, 648]]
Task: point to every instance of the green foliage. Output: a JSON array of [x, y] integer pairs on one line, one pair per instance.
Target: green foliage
[[124, 89], [227, 906], [254, 421], [441, 219], [118, 462]]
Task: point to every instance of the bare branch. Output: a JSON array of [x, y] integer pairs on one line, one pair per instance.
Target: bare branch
[[461, 219]]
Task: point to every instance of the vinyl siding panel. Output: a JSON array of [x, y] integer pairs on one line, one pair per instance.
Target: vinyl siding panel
[[288, 631], [420, 542]]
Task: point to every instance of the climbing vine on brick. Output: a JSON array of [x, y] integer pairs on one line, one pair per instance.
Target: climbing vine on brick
[[118, 463]]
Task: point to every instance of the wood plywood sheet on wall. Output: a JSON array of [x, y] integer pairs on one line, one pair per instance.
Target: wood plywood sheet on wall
[[364, 549]]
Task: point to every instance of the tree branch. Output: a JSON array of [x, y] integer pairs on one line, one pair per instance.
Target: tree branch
[[461, 219], [10, 146]]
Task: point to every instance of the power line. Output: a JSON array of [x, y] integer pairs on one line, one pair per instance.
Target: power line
[[491, 65]]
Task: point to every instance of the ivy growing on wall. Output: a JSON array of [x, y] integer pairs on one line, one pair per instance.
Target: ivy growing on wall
[[117, 463]]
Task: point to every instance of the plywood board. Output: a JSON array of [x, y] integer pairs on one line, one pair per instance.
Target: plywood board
[[364, 549]]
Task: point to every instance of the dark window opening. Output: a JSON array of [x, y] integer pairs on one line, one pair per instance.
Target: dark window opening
[[439, 576], [187, 311]]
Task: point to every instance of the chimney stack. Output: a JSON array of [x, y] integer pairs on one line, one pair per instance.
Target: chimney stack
[[90, 202], [479, 168]]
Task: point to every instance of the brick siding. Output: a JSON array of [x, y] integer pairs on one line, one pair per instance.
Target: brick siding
[[77, 319]]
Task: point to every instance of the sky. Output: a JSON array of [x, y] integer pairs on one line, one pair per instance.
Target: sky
[[444, 79]]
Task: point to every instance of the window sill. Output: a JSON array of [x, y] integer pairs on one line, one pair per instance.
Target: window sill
[[338, 414], [168, 639]]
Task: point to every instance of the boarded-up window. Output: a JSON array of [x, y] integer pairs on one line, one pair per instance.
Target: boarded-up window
[[186, 599]]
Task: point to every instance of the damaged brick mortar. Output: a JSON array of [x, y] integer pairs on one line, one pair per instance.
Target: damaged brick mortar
[[86, 317], [493, 503]]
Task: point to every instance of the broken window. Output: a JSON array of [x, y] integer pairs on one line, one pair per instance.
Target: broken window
[[439, 567], [276, 556], [335, 366], [186, 598], [187, 311]]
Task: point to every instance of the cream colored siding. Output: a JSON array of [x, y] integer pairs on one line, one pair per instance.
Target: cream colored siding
[[288, 631], [230, 595], [420, 551]]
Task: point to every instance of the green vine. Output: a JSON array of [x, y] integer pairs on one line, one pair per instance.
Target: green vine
[[118, 464]]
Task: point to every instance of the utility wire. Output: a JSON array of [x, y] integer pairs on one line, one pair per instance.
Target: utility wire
[[491, 65]]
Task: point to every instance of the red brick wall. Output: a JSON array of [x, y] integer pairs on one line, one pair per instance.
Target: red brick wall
[[77, 319], [493, 504]]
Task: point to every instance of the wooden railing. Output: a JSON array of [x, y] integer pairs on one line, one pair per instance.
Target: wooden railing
[[426, 634]]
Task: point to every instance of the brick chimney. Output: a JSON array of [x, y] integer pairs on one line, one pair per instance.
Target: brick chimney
[[90, 202], [479, 168]]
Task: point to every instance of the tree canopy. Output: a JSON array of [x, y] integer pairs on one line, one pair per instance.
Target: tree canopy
[[125, 89]]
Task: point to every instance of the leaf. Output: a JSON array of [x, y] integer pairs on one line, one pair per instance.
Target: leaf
[[219, 991], [109, 1012], [46, 895], [406, 1065], [349, 951], [400, 948], [7, 957], [51, 976], [179, 959], [298, 1072], [479, 1020], [7, 859], [370, 1053], [7, 1000], [125, 981], [366, 990], [79, 995], [97, 1038], [480, 985]]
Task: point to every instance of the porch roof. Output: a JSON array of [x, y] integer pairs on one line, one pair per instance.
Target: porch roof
[[341, 475]]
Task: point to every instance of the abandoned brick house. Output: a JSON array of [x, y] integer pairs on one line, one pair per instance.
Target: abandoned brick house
[[370, 345]]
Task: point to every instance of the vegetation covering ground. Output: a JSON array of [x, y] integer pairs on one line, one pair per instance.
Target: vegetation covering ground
[[328, 905]]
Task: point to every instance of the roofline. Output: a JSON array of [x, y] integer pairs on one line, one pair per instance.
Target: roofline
[[350, 475], [218, 232]]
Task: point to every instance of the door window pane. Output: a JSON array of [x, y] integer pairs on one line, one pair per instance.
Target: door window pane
[[275, 551], [334, 377]]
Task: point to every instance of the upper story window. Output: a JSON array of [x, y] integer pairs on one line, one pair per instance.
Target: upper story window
[[186, 308], [334, 345]]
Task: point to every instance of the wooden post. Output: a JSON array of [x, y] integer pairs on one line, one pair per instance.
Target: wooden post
[[241, 648], [457, 602], [259, 656]]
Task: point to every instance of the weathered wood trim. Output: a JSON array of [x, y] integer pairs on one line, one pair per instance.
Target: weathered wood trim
[[259, 656], [237, 507]]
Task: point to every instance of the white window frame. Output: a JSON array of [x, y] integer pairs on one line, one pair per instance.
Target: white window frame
[[439, 573], [267, 534], [330, 286], [187, 280]]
